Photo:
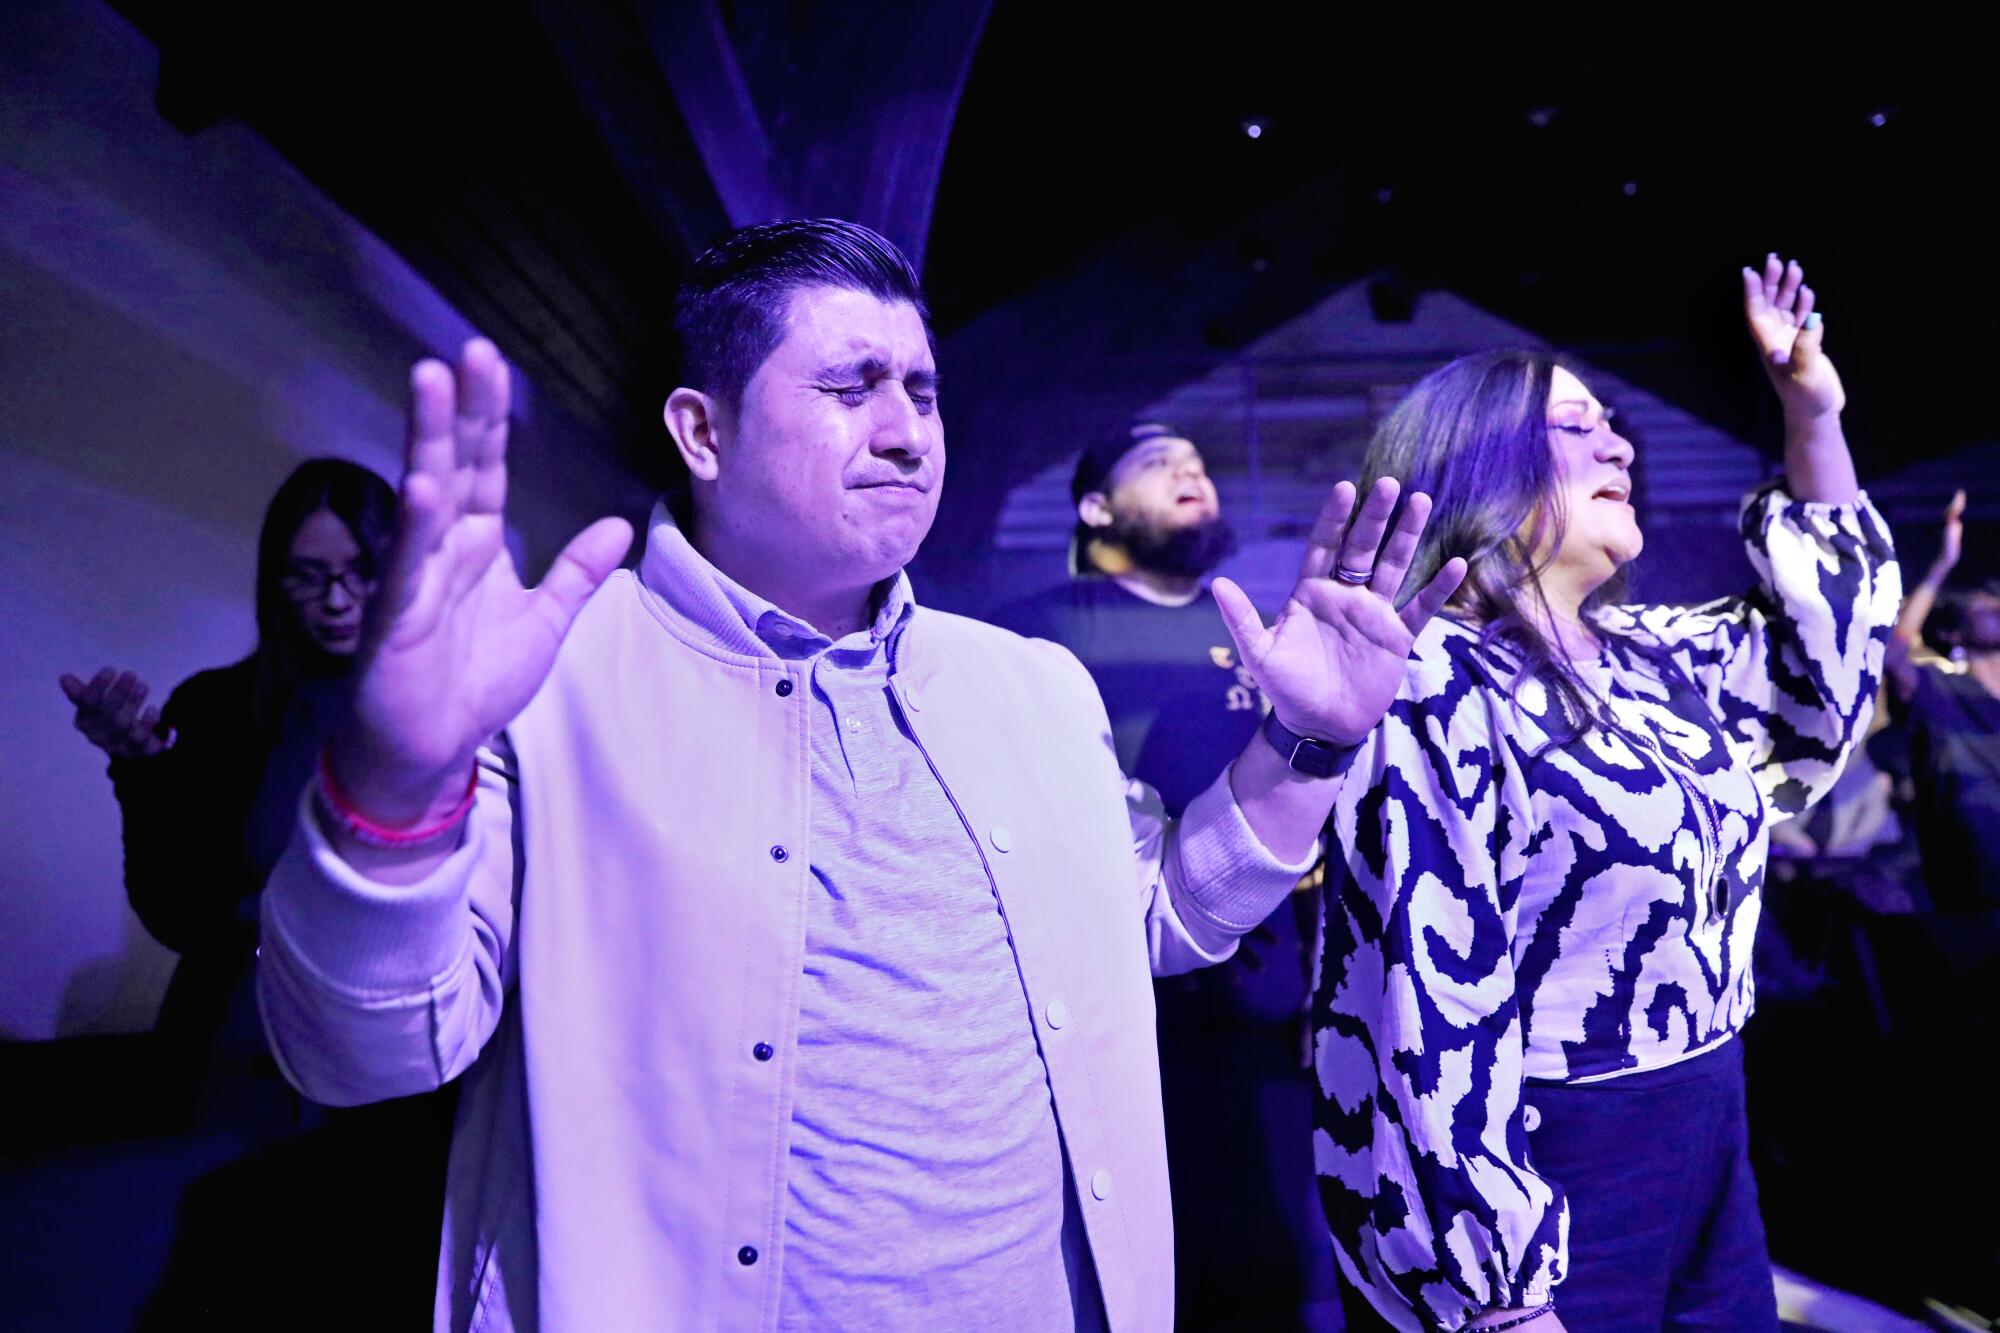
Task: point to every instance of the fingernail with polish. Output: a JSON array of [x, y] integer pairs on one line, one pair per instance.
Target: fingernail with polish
[[1812, 321]]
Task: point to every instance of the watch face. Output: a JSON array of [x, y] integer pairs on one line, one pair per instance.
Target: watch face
[[1305, 754], [1314, 757]]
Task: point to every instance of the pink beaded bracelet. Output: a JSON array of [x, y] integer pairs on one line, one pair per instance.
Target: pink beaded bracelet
[[336, 806]]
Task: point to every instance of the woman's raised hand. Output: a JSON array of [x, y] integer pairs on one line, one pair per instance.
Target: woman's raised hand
[[455, 645], [1951, 542], [111, 714], [1779, 307]]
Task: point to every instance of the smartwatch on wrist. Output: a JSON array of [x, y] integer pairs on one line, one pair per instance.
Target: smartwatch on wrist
[[1306, 754]]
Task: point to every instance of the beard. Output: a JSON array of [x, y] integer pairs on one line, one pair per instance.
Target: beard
[[1182, 551]]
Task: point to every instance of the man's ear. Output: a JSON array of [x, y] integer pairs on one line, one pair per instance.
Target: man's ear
[[1094, 509], [691, 419]]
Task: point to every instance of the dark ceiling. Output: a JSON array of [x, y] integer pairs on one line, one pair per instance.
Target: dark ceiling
[[1599, 188], [549, 168]]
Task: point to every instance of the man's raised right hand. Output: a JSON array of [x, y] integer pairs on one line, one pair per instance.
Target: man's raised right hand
[[455, 645]]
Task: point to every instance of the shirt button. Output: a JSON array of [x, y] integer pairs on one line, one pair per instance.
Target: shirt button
[[854, 724], [784, 688], [1100, 1185], [1058, 1013], [747, 1255], [1003, 841], [779, 854], [763, 1050], [1531, 1118]]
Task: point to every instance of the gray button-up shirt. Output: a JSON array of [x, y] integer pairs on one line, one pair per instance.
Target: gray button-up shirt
[[926, 1172]]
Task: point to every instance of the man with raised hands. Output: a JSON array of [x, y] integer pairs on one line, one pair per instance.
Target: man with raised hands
[[792, 940]]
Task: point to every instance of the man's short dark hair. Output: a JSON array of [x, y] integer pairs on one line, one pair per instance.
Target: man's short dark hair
[[730, 313]]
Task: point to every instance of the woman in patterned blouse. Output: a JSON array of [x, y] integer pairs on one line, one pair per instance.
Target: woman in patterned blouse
[[1538, 954]]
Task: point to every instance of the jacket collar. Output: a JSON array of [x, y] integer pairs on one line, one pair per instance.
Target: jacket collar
[[714, 609]]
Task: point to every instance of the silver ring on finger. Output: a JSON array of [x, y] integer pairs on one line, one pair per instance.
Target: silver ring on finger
[[1353, 578]]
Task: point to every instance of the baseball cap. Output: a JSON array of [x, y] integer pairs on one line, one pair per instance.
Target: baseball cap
[[1101, 455]]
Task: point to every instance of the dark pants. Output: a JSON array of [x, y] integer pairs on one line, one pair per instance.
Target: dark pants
[[1664, 1232], [1251, 1248]]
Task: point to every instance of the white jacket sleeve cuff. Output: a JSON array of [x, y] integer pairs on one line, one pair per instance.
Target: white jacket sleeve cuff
[[1225, 880], [364, 938]]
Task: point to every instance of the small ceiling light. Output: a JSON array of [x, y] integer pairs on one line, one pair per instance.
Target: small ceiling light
[[1878, 119], [1253, 128], [1630, 187], [1542, 117], [1384, 195]]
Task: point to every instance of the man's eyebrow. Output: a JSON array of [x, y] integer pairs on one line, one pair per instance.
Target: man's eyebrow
[[866, 368], [870, 368]]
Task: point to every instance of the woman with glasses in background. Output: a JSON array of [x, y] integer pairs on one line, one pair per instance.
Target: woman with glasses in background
[[209, 785], [346, 1203]]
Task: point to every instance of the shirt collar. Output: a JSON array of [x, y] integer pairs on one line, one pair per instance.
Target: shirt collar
[[727, 615]]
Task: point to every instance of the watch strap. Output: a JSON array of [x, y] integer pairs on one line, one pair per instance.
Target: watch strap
[[1306, 754]]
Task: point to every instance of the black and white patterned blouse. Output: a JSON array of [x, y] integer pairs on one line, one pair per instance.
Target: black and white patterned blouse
[[1513, 908]]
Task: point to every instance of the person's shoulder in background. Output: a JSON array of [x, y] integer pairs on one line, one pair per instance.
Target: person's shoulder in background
[[221, 692], [1055, 612]]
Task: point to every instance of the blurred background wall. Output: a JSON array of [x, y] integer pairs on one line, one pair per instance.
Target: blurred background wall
[[183, 319]]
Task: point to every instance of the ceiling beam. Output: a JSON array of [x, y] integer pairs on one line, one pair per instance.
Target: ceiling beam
[[820, 110]]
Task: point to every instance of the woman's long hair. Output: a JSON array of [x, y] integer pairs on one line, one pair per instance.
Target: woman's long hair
[[285, 653], [1474, 436]]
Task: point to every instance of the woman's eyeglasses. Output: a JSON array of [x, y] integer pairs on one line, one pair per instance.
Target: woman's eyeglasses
[[306, 584]]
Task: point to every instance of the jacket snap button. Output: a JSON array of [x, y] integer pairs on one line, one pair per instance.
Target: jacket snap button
[[763, 1050], [784, 688], [1531, 1119], [1002, 840], [1100, 1185], [780, 854], [747, 1255], [1058, 1013]]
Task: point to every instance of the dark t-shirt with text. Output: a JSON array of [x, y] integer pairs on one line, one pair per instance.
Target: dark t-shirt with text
[[1181, 705]]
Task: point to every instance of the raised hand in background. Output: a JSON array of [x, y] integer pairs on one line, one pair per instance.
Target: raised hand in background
[[109, 714]]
